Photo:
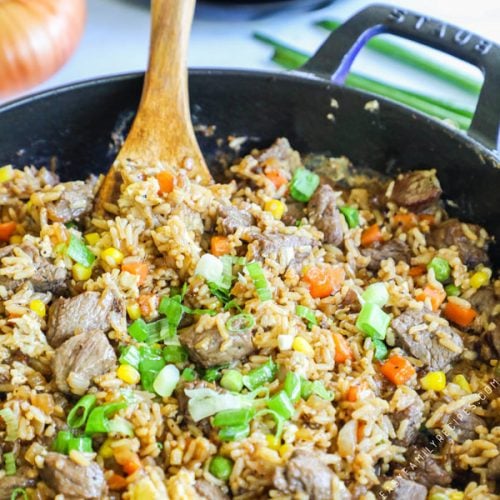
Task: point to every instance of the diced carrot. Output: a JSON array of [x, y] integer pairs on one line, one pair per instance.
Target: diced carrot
[[117, 482], [276, 177], [407, 221], [429, 218], [138, 268], [342, 348], [323, 281], [416, 271], [397, 369], [371, 235], [354, 392], [462, 316], [166, 180], [434, 294], [219, 245], [7, 230], [360, 431], [128, 459], [148, 303]]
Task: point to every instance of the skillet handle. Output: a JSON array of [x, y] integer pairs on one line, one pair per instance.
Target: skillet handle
[[335, 57]]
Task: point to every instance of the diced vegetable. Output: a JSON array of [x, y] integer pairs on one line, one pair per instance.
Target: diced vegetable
[[376, 293], [166, 381], [275, 207], [398, 370], [373, 321], [11, 424], [79, 252], [462, 316], [434, 381], [173, 310], [130, 356], [416, 271], [133, 310], [308, 388], [461, 381], [342, 349], [212, 374], [150, 365], [81, 273], [380, 349], [138, 330], [138, 269], [285, 342], [188, 374], [210, 268], [120, 426], [175, 354], [323, 281], [480, 278], [128, 374], [240, 323], [273, 442], [452, 290], [7, 230], [219, 245], [128, 459], [80, 443], [166, 181], [352, 394], [6, 173], [221, 467], [351, 215], [259, 280], [232, 380], [17, 492], [9, 460], [79, 413], [233, 417], [112, 256], [92, 238], [303, 184], [292, 386], [440, 267], [435, 295], [407, 221], [276, 177], [300, 344], [117, 482], [60, 443], [371, 235], [307, 314], [98, 419], [235, 433], [260, 375], [281, 404], [38, 307]]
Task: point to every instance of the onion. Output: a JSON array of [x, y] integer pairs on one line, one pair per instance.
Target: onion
[[36, 39]]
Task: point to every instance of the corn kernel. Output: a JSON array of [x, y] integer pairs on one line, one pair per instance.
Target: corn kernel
[[128, 374], [16, 239], [434, 381], [300, 344], [461, 381], [112, 256], [456, 495], [275, 207], [480, 278], [105, 451], [38, 307], [134, 311], [6, 173], [92, 239], [273, 442], [81, 273], [285, 450]]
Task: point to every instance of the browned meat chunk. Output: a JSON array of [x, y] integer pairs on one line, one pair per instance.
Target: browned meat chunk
[[232, 218], [294, 213], [283, 152], [84, 313], [306, 474], [75, 201], [324, 214], [46, 276], [424, 344], [416, 190], [463, 424], [494, 468], [23, 478], [410, 419], [399, 488], [67, 478], [209, 491], [80, 359], [397, 250], [424, 468], [490, 342], [286, 249], [451, 233], [209, 348], [484, 300]]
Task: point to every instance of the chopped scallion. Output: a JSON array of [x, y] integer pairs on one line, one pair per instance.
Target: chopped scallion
[[260, 375], [210, 268], [138, 330], [175, 354], [130, 356], [307, 314], [151, 363], [303, 184], [373, 321], [232, 380], [233, 417], [9, 460], [282, 405], [60, 443], [317, 387], [380, 349], [166, 381], [351, 215], [188, 374], [120, 426], [80, 443], [11, 424], [79, 252], [173, 310], [376, 293], [98, 418], [235, 433], [212, 374], [80, 412], [259, 280], [19, 491], [292, 386], [240, 323]]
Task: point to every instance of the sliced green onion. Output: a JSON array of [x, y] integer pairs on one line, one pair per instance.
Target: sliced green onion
[[80, 412], [19, 491], [151, 363], [372, 321], [188, 374], [98, 419], [226, 279], [278, 419], [282, 405], [259, 280], [221, 467], [233, 417], [380, 349], [351, 215], [292, 386], [138, 330], [11, 424], [79, 252], [317, 387], [120, 426], [232, 380], [60, 443], [260, 375], [307, 314], [376, 293], [166, 381], [452, 290], [223, 295], [440, 267], [234, 433], [240, 323], [80, 443], [175, 354], [130, 356], [212, 374], [232, 304], [173, 310], [303, 184], [210, 267], [160, 330], [9, 460]]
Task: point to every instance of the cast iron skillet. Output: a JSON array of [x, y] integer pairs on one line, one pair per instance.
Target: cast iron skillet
[[74, 123]]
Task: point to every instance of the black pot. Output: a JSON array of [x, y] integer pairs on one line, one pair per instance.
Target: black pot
[[75, 123]]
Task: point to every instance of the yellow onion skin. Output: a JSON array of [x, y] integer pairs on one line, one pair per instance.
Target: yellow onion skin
[[36, 38]]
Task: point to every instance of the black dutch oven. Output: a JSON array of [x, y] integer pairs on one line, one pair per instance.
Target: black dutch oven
[[75, 123]]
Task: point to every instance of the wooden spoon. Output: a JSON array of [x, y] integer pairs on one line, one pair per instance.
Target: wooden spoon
[[162, 130]]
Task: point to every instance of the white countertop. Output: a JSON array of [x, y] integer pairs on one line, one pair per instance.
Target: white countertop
[[117, 32]]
